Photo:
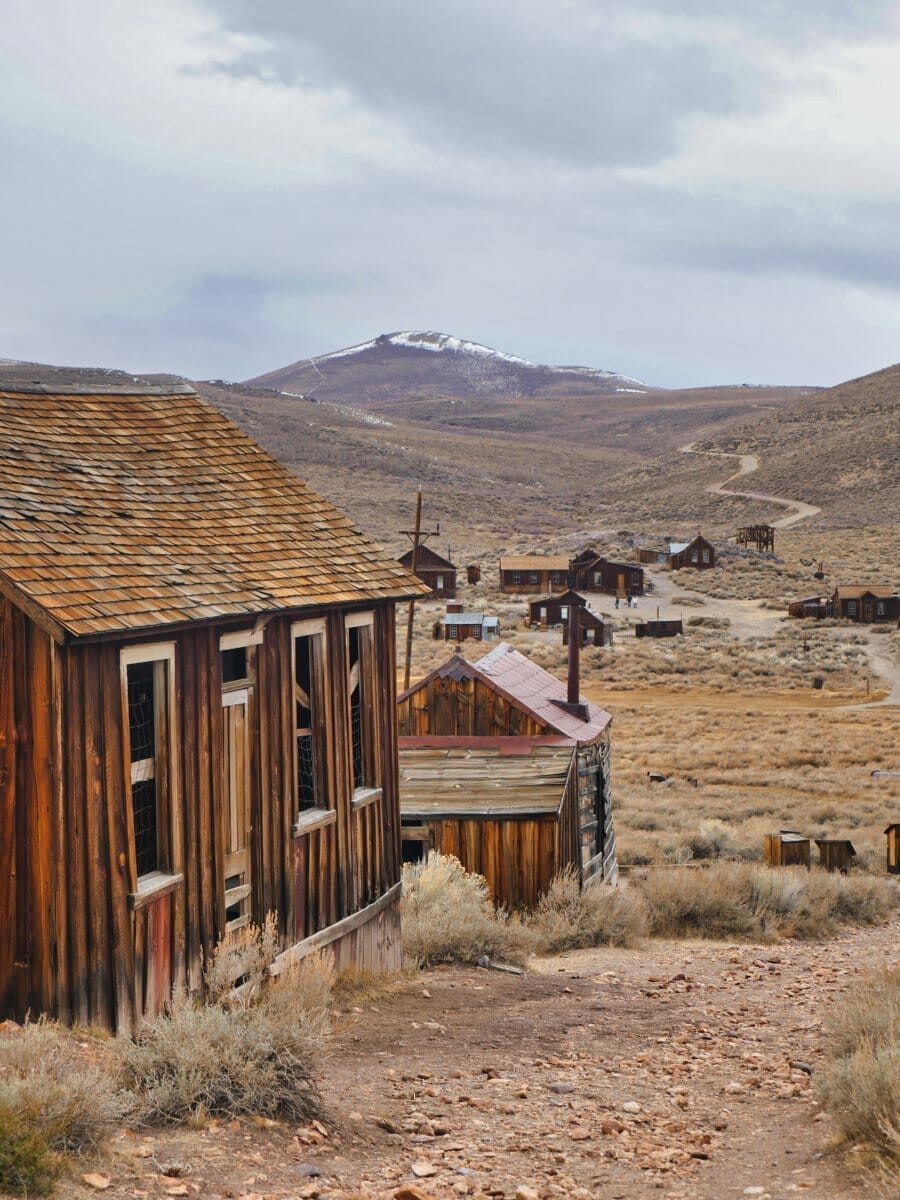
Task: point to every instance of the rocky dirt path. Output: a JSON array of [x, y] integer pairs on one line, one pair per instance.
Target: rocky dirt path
[[748, 463], [680, 1071]]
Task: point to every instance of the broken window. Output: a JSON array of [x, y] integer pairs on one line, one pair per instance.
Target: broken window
[[310, 753], [362, 685]]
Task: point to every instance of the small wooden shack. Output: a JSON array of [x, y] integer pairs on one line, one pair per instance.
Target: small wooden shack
[[835, 854], [815, 607], [506, 767], [697, 553], [873, 604], [787, 848], [435, 571], [594, 629], [893, 848], [552, 608], [460, 626], [197, 705], [760, 536], [473, 573], [591, 572], [525, 574], [657, 627], [652, 555]]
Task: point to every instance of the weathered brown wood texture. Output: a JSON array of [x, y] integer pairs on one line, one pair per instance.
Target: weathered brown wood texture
[[463, 708]]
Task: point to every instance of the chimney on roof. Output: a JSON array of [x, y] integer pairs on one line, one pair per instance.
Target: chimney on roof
[[574, 682]]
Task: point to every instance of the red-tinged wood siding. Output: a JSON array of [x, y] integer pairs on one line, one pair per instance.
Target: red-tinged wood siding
[[77, 939], [463, 708]]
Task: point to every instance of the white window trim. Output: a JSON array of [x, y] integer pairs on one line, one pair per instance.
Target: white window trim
[[240, 638], [368, 794], [129, 656]]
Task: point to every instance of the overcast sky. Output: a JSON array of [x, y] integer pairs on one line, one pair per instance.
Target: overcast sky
[[685, 191]]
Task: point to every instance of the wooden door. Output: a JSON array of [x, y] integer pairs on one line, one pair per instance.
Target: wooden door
[[236, 813], [867, 610], [621, 583]]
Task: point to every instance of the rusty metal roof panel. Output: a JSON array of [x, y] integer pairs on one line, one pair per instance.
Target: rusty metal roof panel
[[538, 691], [123, 510]]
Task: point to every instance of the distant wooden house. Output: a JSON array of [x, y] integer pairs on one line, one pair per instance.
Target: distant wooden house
[[594, 629], [502, 767], [697, 553], [525, 574], [815, 607], [787, 848], [893, 848], [435, 571], [460, 626], [653, 555], [473, 573], [591, 572], [658, 628], [835, 854], [197, 706], [760, 536], [553, 607], [868, 605]]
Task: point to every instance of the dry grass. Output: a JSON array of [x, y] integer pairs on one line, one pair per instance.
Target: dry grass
[[860, 1086], [251, 1053], [57, 1096], [739, 900], [448, 916], [569, 917]]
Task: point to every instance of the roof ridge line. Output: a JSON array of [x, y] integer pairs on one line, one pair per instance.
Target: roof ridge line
[[100, 389]]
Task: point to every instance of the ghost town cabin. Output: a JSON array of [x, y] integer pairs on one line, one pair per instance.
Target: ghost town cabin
[[197, 705]]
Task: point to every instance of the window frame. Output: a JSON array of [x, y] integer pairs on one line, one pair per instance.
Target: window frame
[[372, 787], [325, 813], [516, 576], [168, 871]]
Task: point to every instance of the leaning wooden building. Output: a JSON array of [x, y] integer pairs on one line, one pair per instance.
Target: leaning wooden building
[[507, 768], [197, 705]]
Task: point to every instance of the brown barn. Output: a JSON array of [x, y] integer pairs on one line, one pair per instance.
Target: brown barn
[[591, 572], [525, 574], [435, 571], [869, 605], [502, 769], [698, 553], [815, 607], [197, 705]]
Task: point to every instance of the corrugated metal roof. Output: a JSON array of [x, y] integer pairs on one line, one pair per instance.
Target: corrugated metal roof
[[537, 690], [462, 618], [534, 562], [677, 547], [482, 777], [127, 510]]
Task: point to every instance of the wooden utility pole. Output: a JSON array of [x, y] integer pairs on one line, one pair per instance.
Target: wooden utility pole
[[419, 537]]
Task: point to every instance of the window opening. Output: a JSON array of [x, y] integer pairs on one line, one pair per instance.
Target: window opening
[[305, 699], [142, 743], [234, 664]]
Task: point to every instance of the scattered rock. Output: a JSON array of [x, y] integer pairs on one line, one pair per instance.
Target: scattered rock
[[423, 1169], [98, 1182], [631, 1106]]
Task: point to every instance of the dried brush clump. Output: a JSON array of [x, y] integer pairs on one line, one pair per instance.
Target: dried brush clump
[[253, 1051], [56, 1096], [730, 900], [448, 916], [860, 1086], [570, 917]]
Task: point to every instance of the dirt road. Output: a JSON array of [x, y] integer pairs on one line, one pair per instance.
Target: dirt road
[[669, 1072], [748, 463]]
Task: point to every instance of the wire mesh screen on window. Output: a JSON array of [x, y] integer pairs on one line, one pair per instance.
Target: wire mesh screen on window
[[307, 789], [356, 721], [142, 742]]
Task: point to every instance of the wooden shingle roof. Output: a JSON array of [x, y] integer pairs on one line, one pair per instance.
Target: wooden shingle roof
[[123, 510]]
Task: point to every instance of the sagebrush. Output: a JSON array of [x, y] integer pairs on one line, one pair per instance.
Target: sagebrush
[[571, 917]]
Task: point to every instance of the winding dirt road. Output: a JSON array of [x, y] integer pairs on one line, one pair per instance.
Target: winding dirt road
[[748, 464]]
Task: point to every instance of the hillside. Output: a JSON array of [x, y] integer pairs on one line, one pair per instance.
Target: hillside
[[837, 449]]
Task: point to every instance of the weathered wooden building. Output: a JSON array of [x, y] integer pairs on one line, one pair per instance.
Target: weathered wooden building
[[594, 629], [460, 626], [525, 574], [813, 607], [657, 627], [553, 607], [760, 536], [872, 604], [591, 572], [435, 571], [473, 573], [197, 705], [506, 767], [835, 854], [787, 848], [697, 553]]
